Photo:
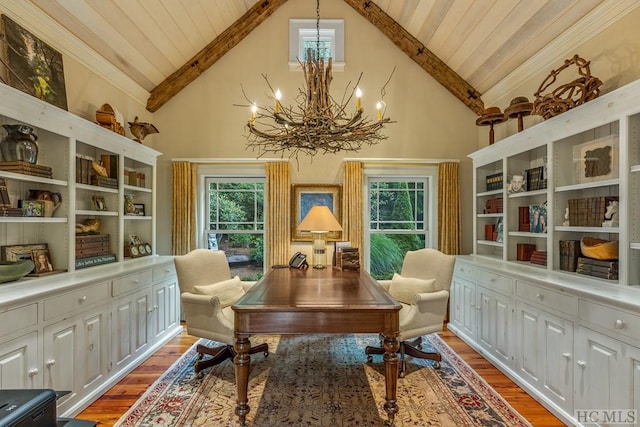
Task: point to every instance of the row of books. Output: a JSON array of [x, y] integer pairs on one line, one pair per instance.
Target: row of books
[[569, 254], [494, 181], [494, 205], [535, 178], [135, 178], [588, 211], [539, 257]]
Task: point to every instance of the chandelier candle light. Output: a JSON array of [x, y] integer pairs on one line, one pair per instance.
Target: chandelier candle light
[[319, 221], [318, 123]]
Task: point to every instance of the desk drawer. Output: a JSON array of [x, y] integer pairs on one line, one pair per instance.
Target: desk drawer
[[72, 301], [164, 272], [554, 300], [495, 282], [610, 318], [17, 318], [131, 282]]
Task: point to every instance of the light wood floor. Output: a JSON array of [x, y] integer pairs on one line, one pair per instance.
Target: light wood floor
[[113, 404]]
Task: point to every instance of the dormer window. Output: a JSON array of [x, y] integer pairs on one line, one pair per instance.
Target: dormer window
[[303, 35]]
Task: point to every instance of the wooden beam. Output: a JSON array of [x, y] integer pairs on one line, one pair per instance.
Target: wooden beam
[[208, 56], [419, 53]]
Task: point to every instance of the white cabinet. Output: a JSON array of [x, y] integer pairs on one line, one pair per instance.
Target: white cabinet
[[495, 324], [131, 330], [19, 363], [464, 306], [165, 307]]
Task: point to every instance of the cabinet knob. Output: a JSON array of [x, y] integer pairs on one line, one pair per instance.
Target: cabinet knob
[[619, 324], [83, 299], [582, 364], [33, 372], [91, 347], [566, 355], [155, 307], [150, 310], [50, 363], [540, 296], [136, 281]]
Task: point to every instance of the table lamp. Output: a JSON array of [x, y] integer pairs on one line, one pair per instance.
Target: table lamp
[[319, 221]]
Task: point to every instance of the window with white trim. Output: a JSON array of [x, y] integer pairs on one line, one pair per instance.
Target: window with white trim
[[303, 35], [400, 217], [234, 222]]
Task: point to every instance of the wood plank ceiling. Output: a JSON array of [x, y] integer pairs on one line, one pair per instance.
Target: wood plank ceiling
[[470, 42]]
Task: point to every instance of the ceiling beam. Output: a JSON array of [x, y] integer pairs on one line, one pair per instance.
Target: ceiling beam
[[415, 50], [208, 56]]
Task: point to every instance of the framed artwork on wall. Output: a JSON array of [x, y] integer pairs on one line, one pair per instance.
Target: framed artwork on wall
[[304, 197]]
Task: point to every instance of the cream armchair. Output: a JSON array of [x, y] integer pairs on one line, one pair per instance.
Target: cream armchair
[[423, 290], [207, 293]]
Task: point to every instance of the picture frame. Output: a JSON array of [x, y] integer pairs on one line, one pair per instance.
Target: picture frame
[[596, 160], [304, 197], [33, 208], [99, 204], [499, 231], [20, 252], [42, 260], [134, 239], [139, 209], [31, 65], [538, 218]]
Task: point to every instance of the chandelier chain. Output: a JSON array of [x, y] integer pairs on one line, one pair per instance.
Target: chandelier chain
[[318, 30]]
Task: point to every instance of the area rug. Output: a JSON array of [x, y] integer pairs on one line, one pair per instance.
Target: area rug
[[323, 380]]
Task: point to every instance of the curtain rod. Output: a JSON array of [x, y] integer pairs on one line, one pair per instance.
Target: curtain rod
[[391, 160]]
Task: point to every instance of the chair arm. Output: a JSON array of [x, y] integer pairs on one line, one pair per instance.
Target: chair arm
[[203, 312], [386, 284], [425, 315]]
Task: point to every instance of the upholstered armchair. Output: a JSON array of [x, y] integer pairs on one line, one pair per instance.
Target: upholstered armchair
[[207, 293], [422, 288]]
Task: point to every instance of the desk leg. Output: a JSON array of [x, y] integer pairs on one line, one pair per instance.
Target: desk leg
[[390, 357], [242, 363]]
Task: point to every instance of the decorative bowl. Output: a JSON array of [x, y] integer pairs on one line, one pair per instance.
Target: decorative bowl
[[599, 249], [13, 270]]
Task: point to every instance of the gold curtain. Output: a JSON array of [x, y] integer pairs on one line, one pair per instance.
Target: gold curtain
[[278, 219], [449, 208], [184, 207], [352, 205]]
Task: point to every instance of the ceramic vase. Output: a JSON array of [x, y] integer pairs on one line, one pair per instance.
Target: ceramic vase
[[19, 144]]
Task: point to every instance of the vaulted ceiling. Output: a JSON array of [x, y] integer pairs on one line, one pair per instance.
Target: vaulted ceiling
[[468, 42]]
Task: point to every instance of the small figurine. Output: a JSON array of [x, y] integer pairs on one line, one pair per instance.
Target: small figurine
[[91, 226], [611, 215], [566, 223], [141, 129]]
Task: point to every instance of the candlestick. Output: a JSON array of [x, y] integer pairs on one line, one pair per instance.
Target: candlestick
[[254, 110], [379, 110], [278, 96], [358, 99]]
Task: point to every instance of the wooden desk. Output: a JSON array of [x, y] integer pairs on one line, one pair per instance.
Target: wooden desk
[[312, 301]]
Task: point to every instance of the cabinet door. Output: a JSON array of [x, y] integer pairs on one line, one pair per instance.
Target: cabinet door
[[94, 349], [19, 366], [495, 320], [544, 353], [130, 327], [604, 373], [159, 318], [464, 306], [61, 357]]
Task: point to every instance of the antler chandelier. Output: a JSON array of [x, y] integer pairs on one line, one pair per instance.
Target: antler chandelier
[[317, 123]]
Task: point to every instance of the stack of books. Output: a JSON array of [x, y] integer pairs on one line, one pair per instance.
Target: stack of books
[[524, 251], [539, 257], [598, 268], [535, 178], [493, 205], [588, 211], [93, 249], [26, 168], [494, 182], [569, 253]]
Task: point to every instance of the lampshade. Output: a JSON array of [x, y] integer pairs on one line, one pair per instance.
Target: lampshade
[[319, 218]]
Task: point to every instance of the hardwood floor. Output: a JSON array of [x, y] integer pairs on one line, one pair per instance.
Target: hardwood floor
[[116, 401]]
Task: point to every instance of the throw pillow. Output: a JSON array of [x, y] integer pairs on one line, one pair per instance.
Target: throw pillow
[[227, 291], [404, 288]]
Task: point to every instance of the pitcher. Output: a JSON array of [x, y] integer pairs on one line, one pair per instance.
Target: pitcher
[[19, 144]]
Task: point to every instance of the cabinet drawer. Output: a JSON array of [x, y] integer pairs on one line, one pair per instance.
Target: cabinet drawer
[[131, 282], [464, 271], [495, 282], [164, 272], [69, 302], [560, 302], [610, 318], [17, 318]]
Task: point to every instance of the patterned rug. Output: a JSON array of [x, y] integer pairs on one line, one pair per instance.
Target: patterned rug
[[323, 380]]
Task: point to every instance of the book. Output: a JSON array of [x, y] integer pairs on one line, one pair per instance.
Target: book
[[600, 262], [569, 253], [524, 251], [4, 193], [110, 162]]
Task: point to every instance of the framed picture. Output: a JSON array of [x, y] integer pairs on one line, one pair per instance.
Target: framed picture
[[99, 203], [499, 231], [32, 66], [42, 261], [304, 197], [32, 208], [134, 239], [538, 218], [596, 160], [20, 252], [139, 209]]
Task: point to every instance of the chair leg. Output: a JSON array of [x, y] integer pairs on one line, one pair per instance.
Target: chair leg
[[220, 354], [414, 352], [410, 348]]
